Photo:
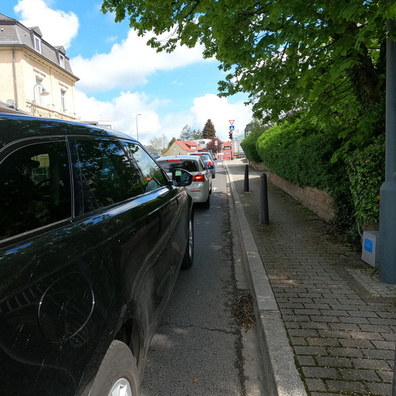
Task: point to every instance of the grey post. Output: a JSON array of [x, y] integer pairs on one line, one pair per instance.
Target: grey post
[[387, 243], [264, 217]]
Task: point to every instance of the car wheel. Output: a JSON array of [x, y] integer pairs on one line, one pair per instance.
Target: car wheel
[[117, 374], [189, 253], [206, 204]]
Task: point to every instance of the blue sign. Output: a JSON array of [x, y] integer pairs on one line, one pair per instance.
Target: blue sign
[[368, 245], [232, 127]]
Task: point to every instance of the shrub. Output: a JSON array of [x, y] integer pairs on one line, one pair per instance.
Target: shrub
[[366, 174], [300, 152], [249, 144]]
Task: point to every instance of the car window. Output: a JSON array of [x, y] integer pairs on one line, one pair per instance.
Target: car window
[[108, 174], [151, 174], [35, 188], [205, 157], [168, 165]]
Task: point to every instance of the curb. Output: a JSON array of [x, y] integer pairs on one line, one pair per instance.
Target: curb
[[280, 373]]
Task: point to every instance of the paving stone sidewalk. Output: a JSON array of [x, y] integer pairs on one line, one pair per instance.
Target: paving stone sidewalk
[[339, 319]]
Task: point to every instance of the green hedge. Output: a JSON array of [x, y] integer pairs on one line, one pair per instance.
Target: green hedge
[[366, 174], [301, 152], [308, 153], [249, 146]]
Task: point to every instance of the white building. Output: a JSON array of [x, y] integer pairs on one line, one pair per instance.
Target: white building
[[35, 77]]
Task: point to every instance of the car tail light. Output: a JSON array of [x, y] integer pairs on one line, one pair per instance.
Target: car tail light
[[199, 178]]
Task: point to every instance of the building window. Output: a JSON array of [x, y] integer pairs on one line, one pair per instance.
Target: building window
[[61, 60], [37, 44]]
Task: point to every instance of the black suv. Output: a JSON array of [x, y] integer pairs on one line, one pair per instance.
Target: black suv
[[92, 236]]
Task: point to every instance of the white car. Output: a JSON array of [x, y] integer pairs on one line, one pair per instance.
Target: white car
[[201, 187]]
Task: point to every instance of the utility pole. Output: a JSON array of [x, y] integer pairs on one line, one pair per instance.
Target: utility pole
[[387, 242]]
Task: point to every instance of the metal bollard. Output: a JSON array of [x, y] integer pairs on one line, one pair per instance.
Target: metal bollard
[[263, 216], [246, 180]]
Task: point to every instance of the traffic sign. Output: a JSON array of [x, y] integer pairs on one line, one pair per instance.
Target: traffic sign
[[232, 127], [231, 122]]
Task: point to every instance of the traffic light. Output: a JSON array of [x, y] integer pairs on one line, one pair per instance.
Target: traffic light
[[230, 135]]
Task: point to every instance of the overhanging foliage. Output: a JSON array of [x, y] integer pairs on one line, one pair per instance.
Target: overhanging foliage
[[285, 55]]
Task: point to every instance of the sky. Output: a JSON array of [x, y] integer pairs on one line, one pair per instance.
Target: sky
[[126, 83]]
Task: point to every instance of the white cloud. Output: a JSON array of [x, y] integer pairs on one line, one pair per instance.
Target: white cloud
[[58, 27], [121, 114], [220, 112], [129, 64]]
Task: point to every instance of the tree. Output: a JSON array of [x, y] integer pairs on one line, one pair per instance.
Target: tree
[[159, 143], [187, 134], [286, 55], [209, 130], [215, 145], [196, 134]]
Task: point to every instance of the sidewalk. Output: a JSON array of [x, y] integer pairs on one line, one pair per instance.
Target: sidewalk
[[327, 326]]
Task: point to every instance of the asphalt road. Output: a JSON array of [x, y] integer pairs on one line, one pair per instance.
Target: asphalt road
[[199, 348]]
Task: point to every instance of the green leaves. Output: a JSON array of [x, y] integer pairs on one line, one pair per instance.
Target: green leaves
[[324, 56], [349, 11], [366, 174]]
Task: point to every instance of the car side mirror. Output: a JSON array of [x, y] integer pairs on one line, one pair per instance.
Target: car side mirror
[[181, 177]]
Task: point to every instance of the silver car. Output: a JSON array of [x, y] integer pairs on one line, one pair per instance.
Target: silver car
[[208, 160], [201, 187]]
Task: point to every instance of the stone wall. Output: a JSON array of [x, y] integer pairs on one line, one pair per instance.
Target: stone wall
[[317, 201]]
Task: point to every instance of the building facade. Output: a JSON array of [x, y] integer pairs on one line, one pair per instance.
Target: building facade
[[180, 147], [35, 77]]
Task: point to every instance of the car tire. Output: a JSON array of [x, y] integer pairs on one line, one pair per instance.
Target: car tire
[[206, 204], [189, 253], [117, 373]]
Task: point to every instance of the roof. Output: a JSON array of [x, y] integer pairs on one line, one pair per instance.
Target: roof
[[188, 146], [14, 34], [9, 107]]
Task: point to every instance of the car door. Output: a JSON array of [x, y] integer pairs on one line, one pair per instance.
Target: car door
[[172, 205], [53, 282], [128, 214], [174, 210]]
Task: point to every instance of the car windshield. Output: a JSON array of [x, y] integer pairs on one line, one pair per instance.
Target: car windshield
[[189, 165]]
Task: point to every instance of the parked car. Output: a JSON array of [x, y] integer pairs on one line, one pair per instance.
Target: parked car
[[201, 187], [209, 161], [210, 152], [92, 236]]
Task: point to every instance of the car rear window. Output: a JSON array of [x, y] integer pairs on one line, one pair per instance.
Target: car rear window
[[168, 165], [205, 157]]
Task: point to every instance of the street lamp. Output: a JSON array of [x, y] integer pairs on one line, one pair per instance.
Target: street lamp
[[43, 91], [137, 129]]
